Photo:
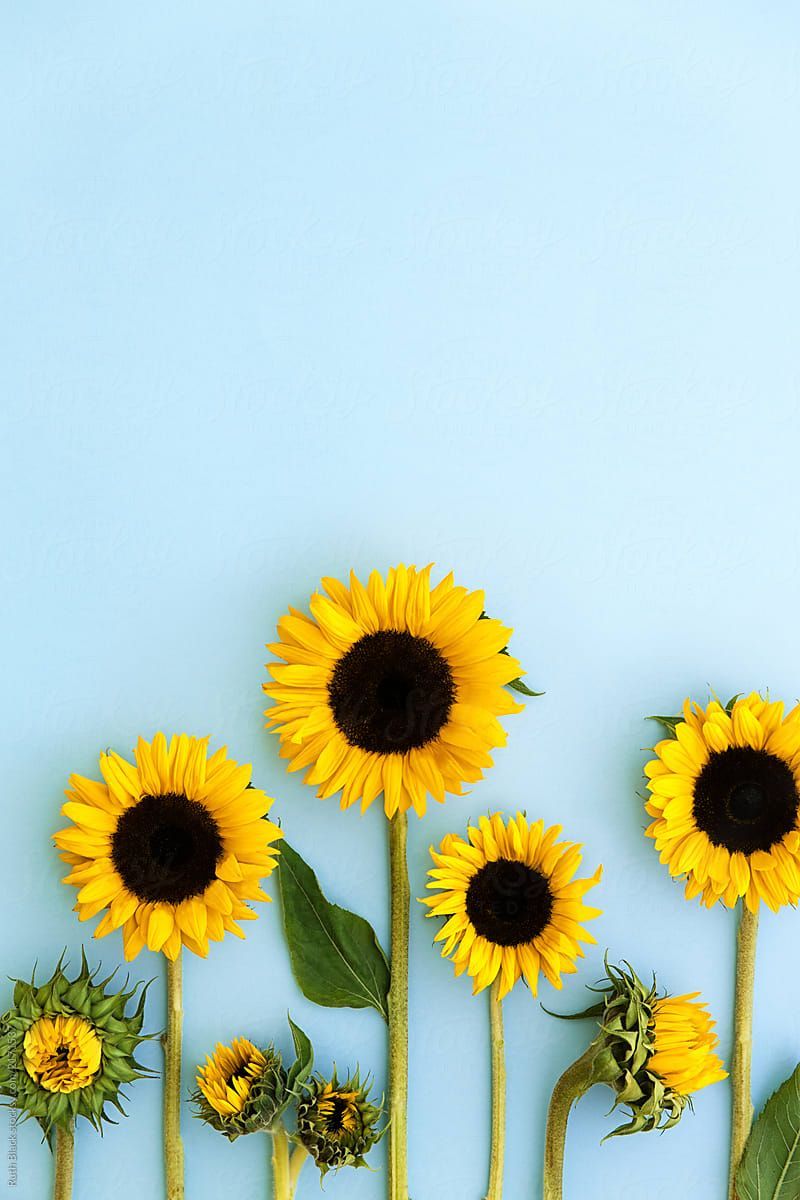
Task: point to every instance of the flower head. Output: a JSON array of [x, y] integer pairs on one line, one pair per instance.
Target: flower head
[[512, 904], [241, 1089], [391, 689], [654, 1051], [172, 846], [67, 1047], [725, 800], [336, 1122]]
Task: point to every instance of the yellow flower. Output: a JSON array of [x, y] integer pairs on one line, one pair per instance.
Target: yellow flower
[[684, 1038], [62, 1054], [394, 688], [227, 1077], [724, 795], [172, 846], [512, 904]]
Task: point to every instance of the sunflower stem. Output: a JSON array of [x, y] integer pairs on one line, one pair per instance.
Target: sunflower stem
[[398, 1008], [498, 1049], [65, 1161], [575, 1081], [296, 1163], [173, 1146], [741, 1058], [281, 1183]]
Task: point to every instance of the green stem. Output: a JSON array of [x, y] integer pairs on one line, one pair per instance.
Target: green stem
[[741, 1058], [65, 1159], [296, 1163], [173, 1146], [281, 1186], [498, 1143], [398, 1009], [576, 1080]]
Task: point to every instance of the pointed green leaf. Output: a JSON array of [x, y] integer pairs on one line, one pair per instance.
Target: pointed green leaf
[[335, 955], [522, 688], [304, 1062], [669, 724], [770, 1167]]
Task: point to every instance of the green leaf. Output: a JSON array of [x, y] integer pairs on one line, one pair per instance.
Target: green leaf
[[770, 1166], [523, 688], [304, 1062], [335, 955]]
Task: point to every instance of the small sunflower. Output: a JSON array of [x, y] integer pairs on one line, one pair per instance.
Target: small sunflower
[[394, 688], [241, 1089], [67, 1047], [684, 1044], [336, 1122], [725, 797], [172, 846], [512, 904]]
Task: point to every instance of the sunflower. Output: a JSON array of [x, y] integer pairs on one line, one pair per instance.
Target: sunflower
[[724, 797], [68, 1047], [684, 1045], [227, 1078], [512, 904], [336, 1122], [172, 847], [394, 688]]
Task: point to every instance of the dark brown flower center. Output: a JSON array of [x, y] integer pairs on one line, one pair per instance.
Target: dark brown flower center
[[391, 692], [508, 902], [745, 799], [166, 848]]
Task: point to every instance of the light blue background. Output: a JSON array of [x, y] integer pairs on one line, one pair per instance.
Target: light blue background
[[293, 287]]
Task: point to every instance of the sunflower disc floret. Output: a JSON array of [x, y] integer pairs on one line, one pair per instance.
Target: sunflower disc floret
[[336, 1122], [67, 1047]]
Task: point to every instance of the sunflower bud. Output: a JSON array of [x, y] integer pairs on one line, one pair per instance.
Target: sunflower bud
[[336, 1122], [653, 1051], [67, 1047], [241, 1089]]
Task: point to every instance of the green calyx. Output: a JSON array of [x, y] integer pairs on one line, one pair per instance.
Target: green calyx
[[104, 1010], [623, 1050], [670, 724], [336, 1122]]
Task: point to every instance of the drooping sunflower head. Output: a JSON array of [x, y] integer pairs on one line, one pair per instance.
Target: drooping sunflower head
[[172, 845], [394, 688], [67, 1047], [725, 798], [653, 1051], [240, 1088], [337, 1123], [512, 903]]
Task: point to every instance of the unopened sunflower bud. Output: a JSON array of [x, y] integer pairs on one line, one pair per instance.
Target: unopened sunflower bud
[[67, 1047], [336, 1122], [241, 1089]]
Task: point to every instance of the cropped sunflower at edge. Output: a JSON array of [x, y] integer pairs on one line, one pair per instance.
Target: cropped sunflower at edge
[[172, 846], [393, 689], [512, 904], [725, 798]]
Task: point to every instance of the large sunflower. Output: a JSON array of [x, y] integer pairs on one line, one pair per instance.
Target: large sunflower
[[172, 846], [512, 904], [392, 688], [725, 796]]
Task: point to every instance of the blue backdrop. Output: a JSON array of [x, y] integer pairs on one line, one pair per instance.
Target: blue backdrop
[[290, 287]]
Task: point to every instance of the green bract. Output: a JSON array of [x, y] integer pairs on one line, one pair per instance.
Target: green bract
[[336, 1122], [119, 1034]]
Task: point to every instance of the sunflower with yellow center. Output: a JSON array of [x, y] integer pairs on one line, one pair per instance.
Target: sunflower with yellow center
[[392, 689], [512, 903], [62, 1053], [173, 845], [725, 798]]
